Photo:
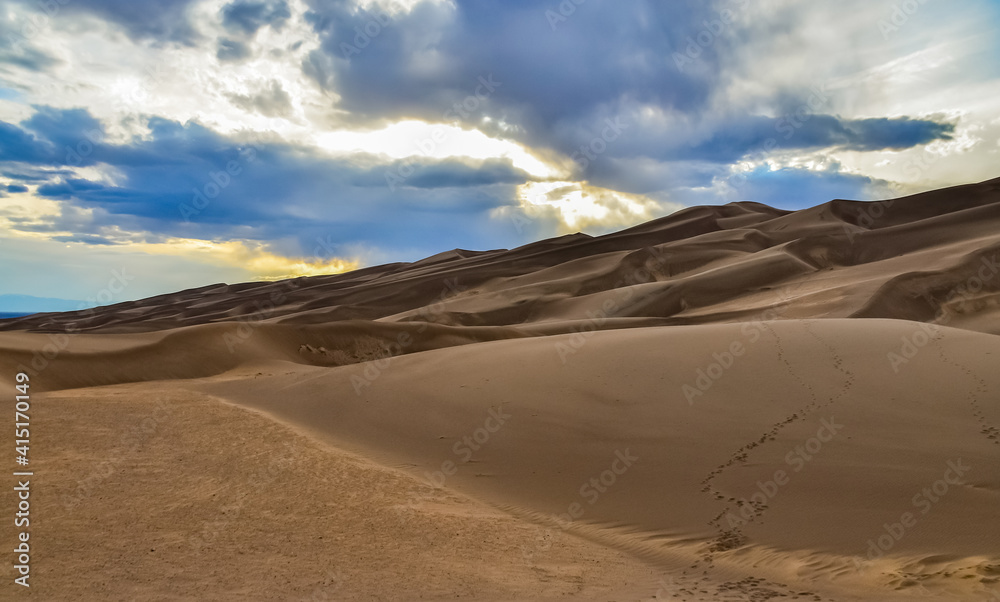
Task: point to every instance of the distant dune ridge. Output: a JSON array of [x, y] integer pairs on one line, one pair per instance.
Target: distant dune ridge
[[898, 258], [727, 403]]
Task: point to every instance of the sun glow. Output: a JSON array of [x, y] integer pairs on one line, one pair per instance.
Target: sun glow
[[255, 257], [578, 206], [414, 138]]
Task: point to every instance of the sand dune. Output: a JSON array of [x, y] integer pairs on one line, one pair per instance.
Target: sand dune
[[700, 265], [731, 402]]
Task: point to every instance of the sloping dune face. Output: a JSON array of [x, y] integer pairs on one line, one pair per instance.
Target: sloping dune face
[[793, 450], [735, 403]]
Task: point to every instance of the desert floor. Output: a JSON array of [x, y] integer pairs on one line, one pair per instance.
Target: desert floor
[[447, 474]]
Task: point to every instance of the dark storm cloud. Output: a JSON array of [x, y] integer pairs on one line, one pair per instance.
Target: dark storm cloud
[[63, 127], [896, 134], [562, 76], [733, 139], [600, 55], [18, 145]]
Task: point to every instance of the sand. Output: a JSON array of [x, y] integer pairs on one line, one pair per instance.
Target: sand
[[729, 403], [153, 494]]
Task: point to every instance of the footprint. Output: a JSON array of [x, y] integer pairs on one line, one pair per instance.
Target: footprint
[[980, 389], [727, 536]]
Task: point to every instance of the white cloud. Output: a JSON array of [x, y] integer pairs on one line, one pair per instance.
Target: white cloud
[[435, 141]]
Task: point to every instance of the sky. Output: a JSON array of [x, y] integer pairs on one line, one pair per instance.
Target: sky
[[152, 146]]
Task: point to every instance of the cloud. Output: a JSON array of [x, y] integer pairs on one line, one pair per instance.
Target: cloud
[[61, 130], [248, 16], [428, 173], [186, 181], [560, 85], [896, 134], [455, 173], [419, 63], [148, 269], [17, 48], [87, 239], [69, 188], [736, 138], [261, 260], [28, 173], [232, 50], [568, 207], [573, 115], [159, 20], [272, 101], [17, 144], [242, 20]]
